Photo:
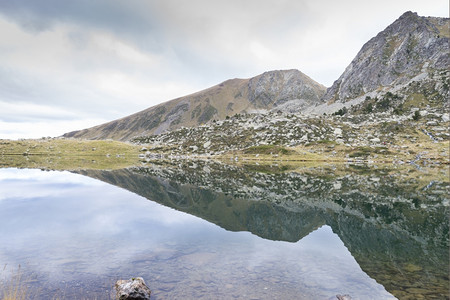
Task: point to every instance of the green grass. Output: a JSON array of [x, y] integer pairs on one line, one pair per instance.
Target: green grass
[[415, 100], [67, 154], [268, 149]]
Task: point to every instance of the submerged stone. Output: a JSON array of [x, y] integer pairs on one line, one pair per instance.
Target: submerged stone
[[135, 288]]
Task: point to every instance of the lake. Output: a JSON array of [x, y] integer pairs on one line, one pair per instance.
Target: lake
[[204, 230]]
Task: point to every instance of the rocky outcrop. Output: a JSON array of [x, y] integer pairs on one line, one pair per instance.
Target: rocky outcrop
[[412, 46], [133, 289], [271, 90]]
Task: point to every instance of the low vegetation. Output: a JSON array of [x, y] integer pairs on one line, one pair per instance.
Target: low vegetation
[[67, 154], [13, 287]]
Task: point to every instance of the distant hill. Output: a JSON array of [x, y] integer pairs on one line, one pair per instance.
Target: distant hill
[[288, 90]]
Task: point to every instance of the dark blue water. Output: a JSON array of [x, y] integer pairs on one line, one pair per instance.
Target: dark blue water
[[74, 236]]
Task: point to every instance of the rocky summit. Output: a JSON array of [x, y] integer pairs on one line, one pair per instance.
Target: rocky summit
[[411, 49], [287, 90]]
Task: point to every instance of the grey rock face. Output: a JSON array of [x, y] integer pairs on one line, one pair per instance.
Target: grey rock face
[[133, 289], [278, 87], [408, 47]]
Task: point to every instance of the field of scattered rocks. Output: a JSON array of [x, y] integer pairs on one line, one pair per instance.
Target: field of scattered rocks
[[279, 136]]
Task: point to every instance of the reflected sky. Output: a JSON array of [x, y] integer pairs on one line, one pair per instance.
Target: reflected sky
[[68, 228]]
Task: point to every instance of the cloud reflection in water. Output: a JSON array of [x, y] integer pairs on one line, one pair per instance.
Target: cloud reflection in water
[[68, 227]]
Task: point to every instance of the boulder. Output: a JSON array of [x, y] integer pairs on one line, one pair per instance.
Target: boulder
[[133, 289]]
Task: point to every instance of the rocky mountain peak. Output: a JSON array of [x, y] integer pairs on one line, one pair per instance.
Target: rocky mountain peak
[[408, 14], [276, 88], [408, 47]]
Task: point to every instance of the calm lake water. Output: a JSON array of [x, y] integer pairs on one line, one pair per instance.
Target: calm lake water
[[206, 232]]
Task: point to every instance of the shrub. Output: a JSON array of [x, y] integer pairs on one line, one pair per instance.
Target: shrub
[[368, 108], [341, 112]]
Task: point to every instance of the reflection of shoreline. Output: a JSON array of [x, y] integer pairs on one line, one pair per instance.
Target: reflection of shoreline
[[395, 228]]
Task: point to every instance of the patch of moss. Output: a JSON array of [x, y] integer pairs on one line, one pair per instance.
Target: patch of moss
[[196, 112], [268, 149], [208, 112]]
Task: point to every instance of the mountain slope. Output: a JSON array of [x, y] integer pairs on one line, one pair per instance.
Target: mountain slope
[[409, 47], [288, 90]]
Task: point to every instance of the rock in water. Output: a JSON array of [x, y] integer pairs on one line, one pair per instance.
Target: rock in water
[[134, 288], [344, 297]]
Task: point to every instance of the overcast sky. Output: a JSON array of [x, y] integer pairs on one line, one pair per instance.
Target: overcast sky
[[68, 65]]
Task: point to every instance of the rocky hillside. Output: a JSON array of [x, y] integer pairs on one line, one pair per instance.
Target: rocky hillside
[[411, 50], [372, 136], [288, 90]]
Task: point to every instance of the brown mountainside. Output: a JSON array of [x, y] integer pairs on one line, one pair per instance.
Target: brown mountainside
[[287, 90]]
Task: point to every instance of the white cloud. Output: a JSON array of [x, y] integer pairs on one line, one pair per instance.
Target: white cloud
[[38, 129]]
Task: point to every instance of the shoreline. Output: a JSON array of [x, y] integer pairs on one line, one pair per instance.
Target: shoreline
[[66, 154]]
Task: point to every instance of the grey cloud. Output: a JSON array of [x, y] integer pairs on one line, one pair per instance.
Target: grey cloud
[[135, 20], [164, 26], [111, 14]]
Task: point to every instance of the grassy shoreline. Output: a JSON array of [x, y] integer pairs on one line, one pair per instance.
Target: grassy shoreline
[[72, 154], [67, 154]]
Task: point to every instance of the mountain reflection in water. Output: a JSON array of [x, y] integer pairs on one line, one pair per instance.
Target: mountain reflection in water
[[394, 225]]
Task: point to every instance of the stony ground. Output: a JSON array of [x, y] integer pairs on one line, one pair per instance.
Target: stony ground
[[358, 137]]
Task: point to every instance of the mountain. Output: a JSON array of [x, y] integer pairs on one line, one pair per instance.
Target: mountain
[[410, 50], [402, 69], [287, 90]]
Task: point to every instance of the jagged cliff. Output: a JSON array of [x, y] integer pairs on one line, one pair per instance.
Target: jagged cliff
[[408, 49], [281, 90]]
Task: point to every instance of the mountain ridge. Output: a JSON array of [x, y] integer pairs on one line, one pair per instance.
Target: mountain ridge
[[267, 91]]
